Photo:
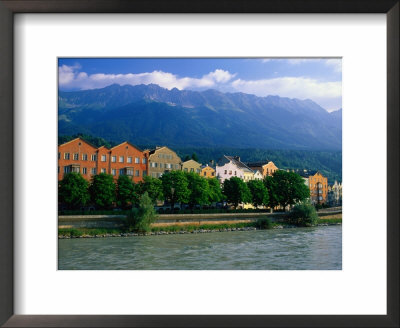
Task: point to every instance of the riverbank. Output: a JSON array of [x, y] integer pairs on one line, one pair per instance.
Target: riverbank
[[68, 233]]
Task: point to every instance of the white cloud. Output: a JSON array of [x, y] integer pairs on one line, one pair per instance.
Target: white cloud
[[335, 63], [327, 94], [70, 77]]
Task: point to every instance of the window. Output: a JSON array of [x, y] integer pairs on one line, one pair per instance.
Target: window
[[153, 164], [84, 157], [136, 173], [84, 170], [67, 169], [113, 159], [59, 155], [212, 173], [121, 172], [230, 172], [185, 169], [144, 173], [75, 169], [137, 160], [153, 175], [93, 170], [198, 170], [191, 170], [76, 156], [129, 171], [121, 159], [144, 160], [93, 157], [129, 159], [103, 171], [66, 155], [113, 171], [225, 172], [177, 166], [204, 173], [161, 165], [103, 158]]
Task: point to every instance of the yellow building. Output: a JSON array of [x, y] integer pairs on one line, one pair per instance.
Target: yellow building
[[191, 166], [318, 185], [207, 172], [162, 160]]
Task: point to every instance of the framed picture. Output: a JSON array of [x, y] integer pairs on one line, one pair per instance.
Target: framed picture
[[35, 265]]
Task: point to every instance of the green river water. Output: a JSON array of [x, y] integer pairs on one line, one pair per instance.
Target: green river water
[[318, 248]]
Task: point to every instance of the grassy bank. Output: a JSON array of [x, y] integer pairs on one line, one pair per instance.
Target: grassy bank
[[190, 227]]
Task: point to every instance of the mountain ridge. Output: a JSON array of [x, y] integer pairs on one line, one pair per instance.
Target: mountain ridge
[[192, 118]]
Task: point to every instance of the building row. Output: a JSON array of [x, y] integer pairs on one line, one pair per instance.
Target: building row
[[82, 157]]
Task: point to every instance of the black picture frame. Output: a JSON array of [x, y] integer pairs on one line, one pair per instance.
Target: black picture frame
[[7, 10]]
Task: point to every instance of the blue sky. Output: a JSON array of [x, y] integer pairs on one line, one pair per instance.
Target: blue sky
[[316, 79]]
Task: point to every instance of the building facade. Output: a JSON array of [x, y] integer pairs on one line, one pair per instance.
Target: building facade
[[207, 172], [126, 159], [266, 168], [81, 157], [191, 166], [231, 166], [77, 156], [335, 194], [162, 160], [318, 185], [258, 175]]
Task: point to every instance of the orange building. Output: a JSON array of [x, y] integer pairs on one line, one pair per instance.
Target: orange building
[[318, 185], [77, 156], [318, 188], [266, 168], [126, 159], [80, 156], [207, 172]]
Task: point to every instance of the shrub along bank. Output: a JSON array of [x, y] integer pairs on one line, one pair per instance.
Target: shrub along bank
[[260, 224]]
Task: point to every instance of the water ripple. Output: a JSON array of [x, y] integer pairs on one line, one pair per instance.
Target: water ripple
[[317, 248]]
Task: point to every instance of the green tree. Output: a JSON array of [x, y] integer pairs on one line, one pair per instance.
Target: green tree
[[303, 215], [102, 190], [127, 192], [153, 187], [259, 194], [175, 187], [272, 188], [195, 157], [236, 191], [141, 218], [290, 188], [73, 190], [187, 157], [199, 192], [215, 191]]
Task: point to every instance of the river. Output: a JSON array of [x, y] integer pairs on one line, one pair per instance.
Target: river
[[318, 248]]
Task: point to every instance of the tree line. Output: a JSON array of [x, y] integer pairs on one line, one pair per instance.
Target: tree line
[[175, 187]]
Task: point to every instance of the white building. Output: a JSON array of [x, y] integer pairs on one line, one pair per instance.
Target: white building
[[231, 166]]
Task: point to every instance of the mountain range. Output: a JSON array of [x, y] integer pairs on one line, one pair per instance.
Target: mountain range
[[151, 115]]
